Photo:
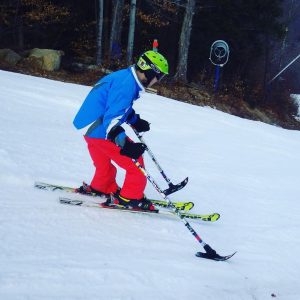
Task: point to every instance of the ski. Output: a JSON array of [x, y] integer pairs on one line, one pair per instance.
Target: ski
[[77, 202], [185, 206], [81, 202]]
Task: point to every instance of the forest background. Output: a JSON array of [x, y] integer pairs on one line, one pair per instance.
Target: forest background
[[100, 35]]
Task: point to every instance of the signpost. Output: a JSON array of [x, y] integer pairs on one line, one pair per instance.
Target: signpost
[[219, 55]]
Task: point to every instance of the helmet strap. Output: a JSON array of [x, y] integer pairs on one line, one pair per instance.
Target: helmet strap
[[149, 74]]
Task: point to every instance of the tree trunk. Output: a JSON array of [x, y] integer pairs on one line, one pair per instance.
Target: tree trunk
[[131, 31], [284, 45], [116, 29], [184, 41], [19, 33], [267, 58], [99, 32]]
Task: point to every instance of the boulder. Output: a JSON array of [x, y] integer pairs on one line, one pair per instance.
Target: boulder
[[45, 59], [9, 57]]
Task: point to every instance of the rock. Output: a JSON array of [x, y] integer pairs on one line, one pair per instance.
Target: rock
[[9, 57], [45, 59]]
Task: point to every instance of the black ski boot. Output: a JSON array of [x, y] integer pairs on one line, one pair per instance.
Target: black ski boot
[[86, 189], [143, 204]]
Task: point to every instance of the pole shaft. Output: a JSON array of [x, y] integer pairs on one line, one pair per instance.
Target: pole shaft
[[172, 207], [217, 77], [152, 157]]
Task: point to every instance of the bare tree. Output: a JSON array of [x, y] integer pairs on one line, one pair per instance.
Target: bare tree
[[131, 31], [291, 12], [184, 41], [116, 28], [99, 32]]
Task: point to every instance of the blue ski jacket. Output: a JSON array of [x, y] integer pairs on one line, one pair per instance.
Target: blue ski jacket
[[109, 103]]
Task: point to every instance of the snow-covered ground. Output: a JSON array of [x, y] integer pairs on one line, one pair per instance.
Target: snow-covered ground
[[245, 170]]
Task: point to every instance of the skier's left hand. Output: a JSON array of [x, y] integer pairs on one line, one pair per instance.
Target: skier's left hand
[[141, 125], [133, 150]]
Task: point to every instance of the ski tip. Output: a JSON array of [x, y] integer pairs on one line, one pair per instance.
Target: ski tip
[[212, 217], [175, 187], [215, 217]]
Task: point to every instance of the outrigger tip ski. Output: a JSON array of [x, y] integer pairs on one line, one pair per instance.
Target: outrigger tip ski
[[175, 187], [212, 254]]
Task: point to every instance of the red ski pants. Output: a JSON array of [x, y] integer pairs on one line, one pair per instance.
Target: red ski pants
[[102, 153]]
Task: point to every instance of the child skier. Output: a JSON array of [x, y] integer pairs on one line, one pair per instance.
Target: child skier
[[106, 108]]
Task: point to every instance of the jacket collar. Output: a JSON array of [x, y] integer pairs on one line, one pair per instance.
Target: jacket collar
[[132, 69]]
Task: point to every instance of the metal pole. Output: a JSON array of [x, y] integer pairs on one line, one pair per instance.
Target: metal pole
[[172, 187], [209, 252]]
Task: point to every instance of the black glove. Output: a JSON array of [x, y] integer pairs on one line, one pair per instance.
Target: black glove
[[137, 123], [133, 150], [141, 125]]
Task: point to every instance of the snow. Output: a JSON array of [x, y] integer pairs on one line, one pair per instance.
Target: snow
[[245, 170], [296, 98]]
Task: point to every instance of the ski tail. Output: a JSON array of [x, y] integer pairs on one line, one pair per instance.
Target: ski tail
[[53, 187]]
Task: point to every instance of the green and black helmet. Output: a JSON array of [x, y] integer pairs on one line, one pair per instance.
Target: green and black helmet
[[153, 64]]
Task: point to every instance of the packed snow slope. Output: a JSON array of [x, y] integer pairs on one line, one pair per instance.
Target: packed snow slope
[[245, 170]]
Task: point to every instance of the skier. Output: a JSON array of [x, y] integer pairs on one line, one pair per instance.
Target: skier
[[106, 108]]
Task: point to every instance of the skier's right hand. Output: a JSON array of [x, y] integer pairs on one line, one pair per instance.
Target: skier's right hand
[[133, 150]]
